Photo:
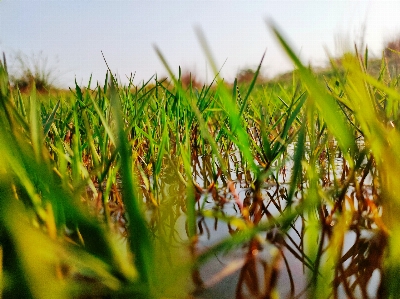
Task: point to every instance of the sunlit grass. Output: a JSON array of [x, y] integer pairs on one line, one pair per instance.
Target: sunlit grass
[[105, 190]]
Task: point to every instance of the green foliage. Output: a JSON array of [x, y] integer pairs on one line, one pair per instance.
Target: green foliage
[[105, 191]]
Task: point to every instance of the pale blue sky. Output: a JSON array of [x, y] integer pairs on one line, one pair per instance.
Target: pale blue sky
[[72, 33]]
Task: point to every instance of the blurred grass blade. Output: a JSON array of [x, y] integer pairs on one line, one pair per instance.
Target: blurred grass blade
[[298, 160], [35, 128], [325, 103], [233, 114], [140, 243], [202, 125]]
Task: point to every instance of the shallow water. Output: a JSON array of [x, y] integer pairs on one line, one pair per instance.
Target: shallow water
[[222, 273], [224, 286]]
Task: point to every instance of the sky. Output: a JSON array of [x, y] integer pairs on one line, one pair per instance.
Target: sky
[[72, 34]]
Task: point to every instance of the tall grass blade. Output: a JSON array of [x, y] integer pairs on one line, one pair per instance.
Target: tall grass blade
[[326, 104], [252, 84], [139, 240]]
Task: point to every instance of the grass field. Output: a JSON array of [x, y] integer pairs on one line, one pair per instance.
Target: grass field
[[105, 189]]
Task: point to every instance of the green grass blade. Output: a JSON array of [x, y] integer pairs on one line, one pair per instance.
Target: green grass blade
[[325, 103], [252, 84], [50, 119], [140, 243]]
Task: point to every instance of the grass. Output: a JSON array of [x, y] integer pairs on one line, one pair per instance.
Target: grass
[[105, 190], [32, 70]]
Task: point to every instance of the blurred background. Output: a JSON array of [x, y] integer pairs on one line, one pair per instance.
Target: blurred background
[[66, 37]]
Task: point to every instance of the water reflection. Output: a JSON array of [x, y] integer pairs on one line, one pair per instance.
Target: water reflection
[[277, 258], [290, 280], [222, 273]]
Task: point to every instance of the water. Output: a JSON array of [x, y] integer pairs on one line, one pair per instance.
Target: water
[[225, 286], [221, 274]]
